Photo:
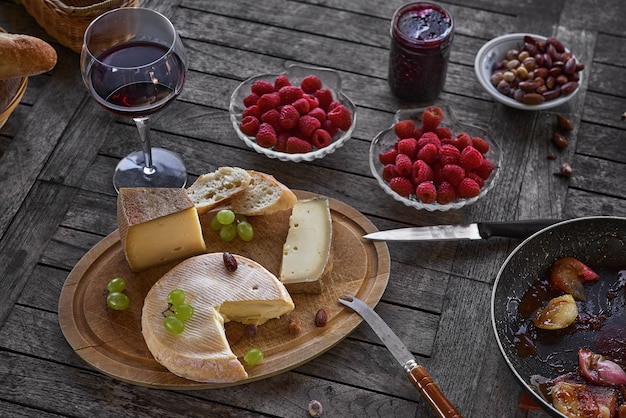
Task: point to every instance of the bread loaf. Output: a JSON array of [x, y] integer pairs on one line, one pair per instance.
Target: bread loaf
[[218, 187], [263, 196], [24, 55]]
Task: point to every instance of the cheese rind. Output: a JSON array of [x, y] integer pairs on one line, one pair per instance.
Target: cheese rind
[[306, 252], [251, 294], [157, 225]]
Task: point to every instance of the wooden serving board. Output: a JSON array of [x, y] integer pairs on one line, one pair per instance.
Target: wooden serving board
[[111, 341]]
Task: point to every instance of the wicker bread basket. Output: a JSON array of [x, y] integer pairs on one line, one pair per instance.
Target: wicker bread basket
[[66, 20]]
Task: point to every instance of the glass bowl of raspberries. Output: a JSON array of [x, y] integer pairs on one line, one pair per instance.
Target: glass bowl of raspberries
[[429, 160], [298, 115]]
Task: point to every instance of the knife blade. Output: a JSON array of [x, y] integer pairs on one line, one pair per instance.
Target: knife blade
[[479, 230], [418, 376]]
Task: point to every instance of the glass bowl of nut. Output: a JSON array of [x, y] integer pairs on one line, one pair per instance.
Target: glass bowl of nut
[[527, 71]]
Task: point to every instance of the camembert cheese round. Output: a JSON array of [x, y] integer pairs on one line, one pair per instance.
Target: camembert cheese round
[[251, 295]]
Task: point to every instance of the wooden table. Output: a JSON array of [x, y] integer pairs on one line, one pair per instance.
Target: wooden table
[[58, 151]]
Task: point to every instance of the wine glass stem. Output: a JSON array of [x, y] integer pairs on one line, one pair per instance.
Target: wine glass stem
[[144, 135]]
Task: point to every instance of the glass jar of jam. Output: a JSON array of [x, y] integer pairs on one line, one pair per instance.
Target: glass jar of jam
[[421, 37]]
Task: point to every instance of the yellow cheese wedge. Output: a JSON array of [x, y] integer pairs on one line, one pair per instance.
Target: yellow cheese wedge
[[251, 295], [306, 252], [157, 225]]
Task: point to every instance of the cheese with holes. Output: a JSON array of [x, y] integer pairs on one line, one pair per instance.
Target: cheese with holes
[[251, 295], [306, 252], [157, 225]]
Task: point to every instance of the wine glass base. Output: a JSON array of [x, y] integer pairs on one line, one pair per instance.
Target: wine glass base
[[169, 171]]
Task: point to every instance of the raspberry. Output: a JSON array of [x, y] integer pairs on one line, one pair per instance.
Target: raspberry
[[462, 140], [402, 186], [318, 113], [445, 193], [426, 192], [468, 188], [389, 172], [308, 124], [479, 180], [428, 138], [431, 118], [261, 87], [289, 117], [273, 118], [388, 157], [340, 117], [449, 154], [320, 139], [422, 172], [480, 144], [407, 146], [289, 94], [453, 174], [428, 153], [297, 146], [268, 101], [311, 83], [325, 98], [330, 128], [417, 132], [281, 142], [266, 136], [404, 165], [404, 129], [281, 81], [443, 132], [250, 99], [485, 169], [471, 158], [437, 168], [251, 111], [313, 102], [249, 125], [302, 105]]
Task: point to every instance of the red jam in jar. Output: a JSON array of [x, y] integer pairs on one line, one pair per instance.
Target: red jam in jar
[[421, 36]]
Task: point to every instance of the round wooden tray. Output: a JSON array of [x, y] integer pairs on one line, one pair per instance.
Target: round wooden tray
[[111, 341]]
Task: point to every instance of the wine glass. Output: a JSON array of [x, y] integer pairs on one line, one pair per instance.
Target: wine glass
[[134, 64]]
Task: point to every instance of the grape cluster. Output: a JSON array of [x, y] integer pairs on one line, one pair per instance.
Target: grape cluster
[[180, 310], [229, 225], [117, 299]]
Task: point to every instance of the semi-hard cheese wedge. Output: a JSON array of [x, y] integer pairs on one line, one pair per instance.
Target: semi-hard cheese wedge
[[251, 295], [157, 225], [307, 249]]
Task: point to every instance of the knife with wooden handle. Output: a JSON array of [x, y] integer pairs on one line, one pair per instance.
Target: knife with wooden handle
[[417, 375]]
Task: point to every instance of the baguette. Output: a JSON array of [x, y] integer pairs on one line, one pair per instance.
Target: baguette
[[24, 55], [263, 196], [218, 187]]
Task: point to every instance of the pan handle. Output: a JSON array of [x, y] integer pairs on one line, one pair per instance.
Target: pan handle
[[422, 381]]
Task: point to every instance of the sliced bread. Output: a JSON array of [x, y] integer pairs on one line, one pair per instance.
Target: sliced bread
[[263, 196], [217, 188]]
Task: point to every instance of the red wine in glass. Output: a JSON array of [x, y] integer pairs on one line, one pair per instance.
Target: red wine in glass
[[133, 63]]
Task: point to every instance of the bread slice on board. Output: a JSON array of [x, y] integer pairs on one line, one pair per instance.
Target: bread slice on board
[[24, 55], [213, 189], [263, 196]]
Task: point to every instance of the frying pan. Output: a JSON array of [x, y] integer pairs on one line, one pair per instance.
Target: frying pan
[[599, 242]]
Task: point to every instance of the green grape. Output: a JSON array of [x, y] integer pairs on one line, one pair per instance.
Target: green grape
[[215, 224], [253, 356], [173, 325], [176, 297], [228, 232], [225, 216], [240, 218], [184, 311], [116, 285], [118, 301], [245, 231]]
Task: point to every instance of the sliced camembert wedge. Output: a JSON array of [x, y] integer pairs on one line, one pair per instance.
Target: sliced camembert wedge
[[157, 225], [251, 295], [307, 249]]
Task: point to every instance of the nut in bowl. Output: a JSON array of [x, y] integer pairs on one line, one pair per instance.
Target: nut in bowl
[[527, 71], [298, 115], [428, 160]]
